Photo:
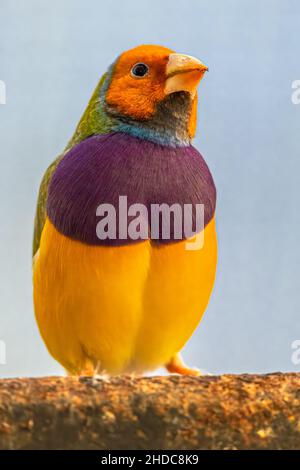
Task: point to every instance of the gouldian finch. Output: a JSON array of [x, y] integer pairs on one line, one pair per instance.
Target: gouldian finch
[[123, 304]]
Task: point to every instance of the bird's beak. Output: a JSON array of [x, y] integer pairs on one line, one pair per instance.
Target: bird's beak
[[183, 73]]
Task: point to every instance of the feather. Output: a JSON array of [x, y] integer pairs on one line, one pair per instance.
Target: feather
[[102, 168]]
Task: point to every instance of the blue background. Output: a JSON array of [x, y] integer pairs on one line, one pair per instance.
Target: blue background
[[52, 54]]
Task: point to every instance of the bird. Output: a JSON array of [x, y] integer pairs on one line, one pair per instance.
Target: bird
[[120, 305]]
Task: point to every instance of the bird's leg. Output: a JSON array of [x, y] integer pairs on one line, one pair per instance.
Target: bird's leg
[[177, 366], [91, 369], [88, 370], [85, 370]]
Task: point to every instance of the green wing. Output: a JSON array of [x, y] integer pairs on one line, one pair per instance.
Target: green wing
[[94, 121], [40, 214]]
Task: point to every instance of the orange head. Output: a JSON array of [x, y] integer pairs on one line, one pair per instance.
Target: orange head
[[149, 92]]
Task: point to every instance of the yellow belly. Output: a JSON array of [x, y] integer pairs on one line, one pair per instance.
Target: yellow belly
[[128, 308]]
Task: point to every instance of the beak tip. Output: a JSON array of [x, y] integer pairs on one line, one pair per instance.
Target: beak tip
[[183, 73]]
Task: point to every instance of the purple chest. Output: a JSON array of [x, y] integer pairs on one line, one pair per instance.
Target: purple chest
[[102, 168]]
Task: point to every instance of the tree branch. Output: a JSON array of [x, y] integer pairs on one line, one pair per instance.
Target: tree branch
[[226, 412]]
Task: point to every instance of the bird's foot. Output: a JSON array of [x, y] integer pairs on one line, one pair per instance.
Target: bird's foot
[[177, 366], [103, 377], [100, 374]]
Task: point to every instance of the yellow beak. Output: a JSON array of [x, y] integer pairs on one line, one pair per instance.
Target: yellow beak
[[183, 73]]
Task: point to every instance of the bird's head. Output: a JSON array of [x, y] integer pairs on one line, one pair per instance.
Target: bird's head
[[149, 92]]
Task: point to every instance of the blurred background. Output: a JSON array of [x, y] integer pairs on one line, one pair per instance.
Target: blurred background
[[52, 54]]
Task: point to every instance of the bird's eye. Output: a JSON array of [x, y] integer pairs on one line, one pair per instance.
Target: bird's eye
[[139, 70]]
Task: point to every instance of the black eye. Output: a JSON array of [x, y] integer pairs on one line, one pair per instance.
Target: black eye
[[139, 70]]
